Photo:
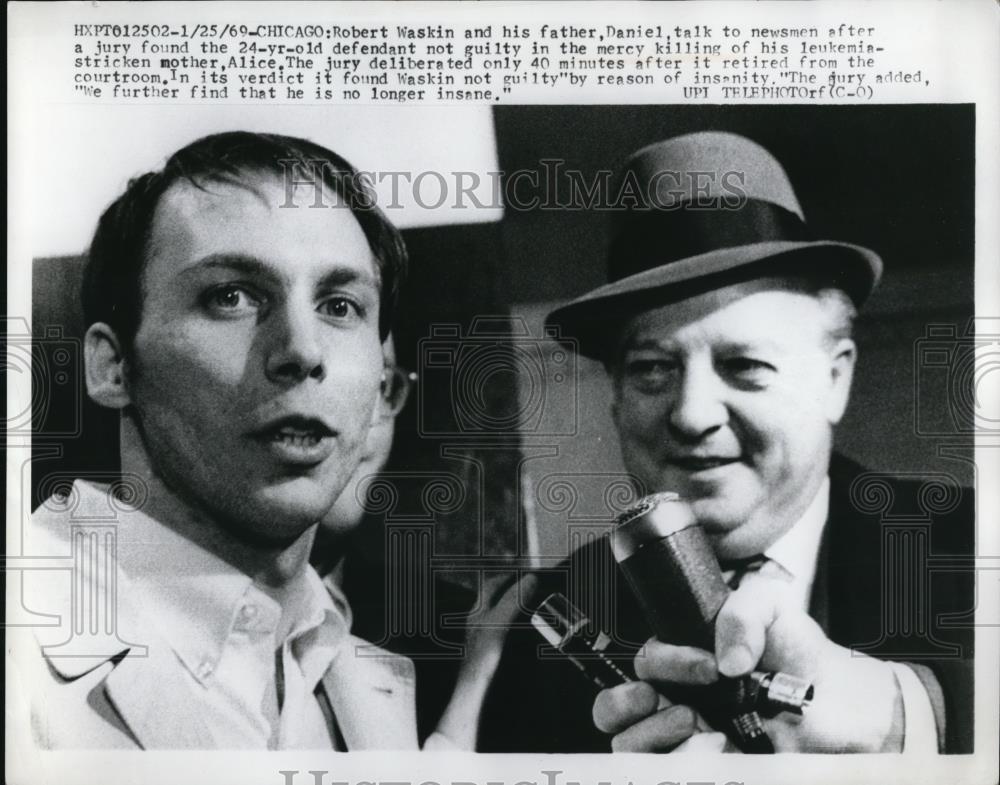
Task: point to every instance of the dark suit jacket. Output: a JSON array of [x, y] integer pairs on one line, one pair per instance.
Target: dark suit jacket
[[538, 702]]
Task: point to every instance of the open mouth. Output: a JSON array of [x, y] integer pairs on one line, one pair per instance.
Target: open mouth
[[296, 437], [298, 440]]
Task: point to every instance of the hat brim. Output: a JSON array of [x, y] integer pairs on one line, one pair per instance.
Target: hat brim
[[590, 322]]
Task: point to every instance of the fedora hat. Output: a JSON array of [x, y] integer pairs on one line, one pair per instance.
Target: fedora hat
[[695, 213]]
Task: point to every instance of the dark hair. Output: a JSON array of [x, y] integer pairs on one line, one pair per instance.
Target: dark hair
[[112, 276]]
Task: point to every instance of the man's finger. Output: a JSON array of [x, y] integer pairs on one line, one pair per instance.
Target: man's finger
[[658, 661], [741, 629], [659, 733], [622, 706], [705, 743]]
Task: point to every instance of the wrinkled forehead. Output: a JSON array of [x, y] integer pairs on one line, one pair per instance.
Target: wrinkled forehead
[[764, 309]]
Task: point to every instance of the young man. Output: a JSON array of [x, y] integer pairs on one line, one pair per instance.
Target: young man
[[726, 329], [236, 304]]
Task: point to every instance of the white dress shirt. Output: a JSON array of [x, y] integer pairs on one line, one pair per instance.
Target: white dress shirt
[[253, 690]]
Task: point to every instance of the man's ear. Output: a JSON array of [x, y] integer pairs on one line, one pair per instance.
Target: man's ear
[[377, 408], [842, 359], [105, 367]]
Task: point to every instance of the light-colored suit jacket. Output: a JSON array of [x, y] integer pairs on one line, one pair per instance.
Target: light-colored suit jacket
[[100, 675]]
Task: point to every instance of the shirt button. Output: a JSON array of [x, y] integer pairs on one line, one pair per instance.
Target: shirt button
[[246, 619], [205, 669]]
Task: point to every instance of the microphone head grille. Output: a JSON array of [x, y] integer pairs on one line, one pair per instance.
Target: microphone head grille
[[644, 505], [648, 520]]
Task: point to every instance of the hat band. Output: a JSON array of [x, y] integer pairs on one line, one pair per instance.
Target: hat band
[[646, 239]]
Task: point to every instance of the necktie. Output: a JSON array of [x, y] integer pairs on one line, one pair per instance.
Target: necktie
[[735, 570]]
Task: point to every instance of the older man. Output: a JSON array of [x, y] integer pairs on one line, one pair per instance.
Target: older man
[[236, 304], [727, 333]]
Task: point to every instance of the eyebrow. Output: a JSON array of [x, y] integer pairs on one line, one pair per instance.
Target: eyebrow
[[256, 267], [650, 344], [744, 346]]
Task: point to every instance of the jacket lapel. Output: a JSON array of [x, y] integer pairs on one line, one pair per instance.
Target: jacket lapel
[[154, 702], [848, 570], [146, 689], [373, 699], [145, 686]]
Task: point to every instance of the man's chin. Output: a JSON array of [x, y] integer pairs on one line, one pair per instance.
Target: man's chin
[[731, 536], [290, 507], [734, 545]]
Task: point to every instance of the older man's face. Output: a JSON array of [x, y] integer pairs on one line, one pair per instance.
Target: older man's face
[[729, 398], [257, 359]]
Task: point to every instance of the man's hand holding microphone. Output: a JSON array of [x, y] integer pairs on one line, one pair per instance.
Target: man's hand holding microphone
[[855, 704]]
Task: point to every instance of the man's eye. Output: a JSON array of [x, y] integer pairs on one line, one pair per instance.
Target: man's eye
[[746, 364], [649, 375], [747, 368], [340, 308], [231, 300]]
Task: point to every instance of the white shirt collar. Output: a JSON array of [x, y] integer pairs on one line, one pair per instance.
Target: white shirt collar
[[796, 551], [198, 599]]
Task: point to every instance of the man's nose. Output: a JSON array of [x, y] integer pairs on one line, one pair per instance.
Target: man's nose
[[697, 409], [296, 349]]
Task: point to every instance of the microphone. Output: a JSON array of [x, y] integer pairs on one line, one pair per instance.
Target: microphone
[[673, 571], [569, 631]]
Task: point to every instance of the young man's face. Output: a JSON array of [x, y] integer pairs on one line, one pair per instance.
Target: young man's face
[[348, 511], [257, 360], [729, 398]]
